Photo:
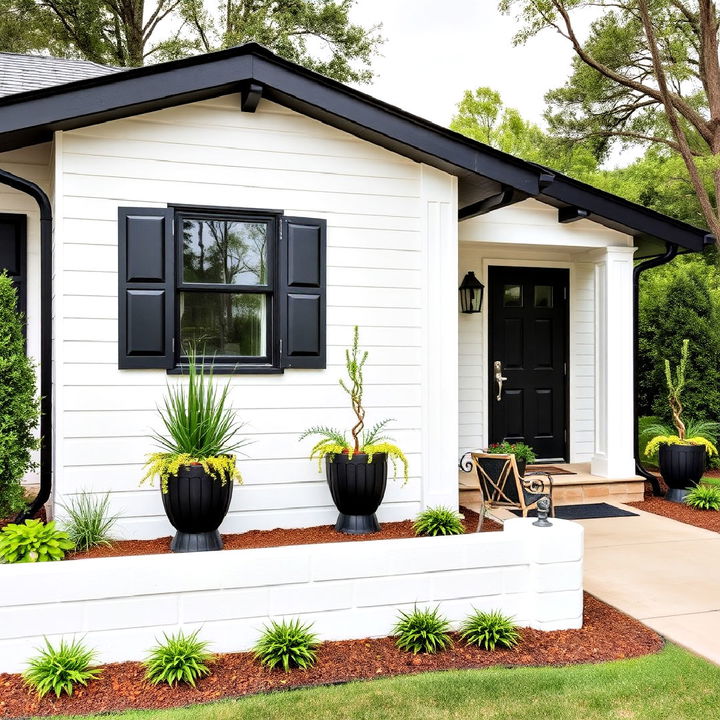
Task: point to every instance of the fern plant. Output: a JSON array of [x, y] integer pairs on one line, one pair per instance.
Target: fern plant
[[439, 521], [200, 428], [179, 658], [287, 645], [370, 442], [60, 669]]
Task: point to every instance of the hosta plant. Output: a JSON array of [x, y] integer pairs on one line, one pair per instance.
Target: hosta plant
[[439, 521], [177, 659], [89, 521], [287, 645], [490, 630], [59, 669], [200, 428], [704, 497], [370, 442], [33, 541], [422, 631]]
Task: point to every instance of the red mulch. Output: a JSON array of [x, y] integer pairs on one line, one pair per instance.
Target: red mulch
[[279, 537], [607, 635], [40, 514], [708, 519]]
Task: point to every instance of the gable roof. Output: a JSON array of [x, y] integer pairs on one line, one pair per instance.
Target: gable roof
[[488, 178], [23, 73]]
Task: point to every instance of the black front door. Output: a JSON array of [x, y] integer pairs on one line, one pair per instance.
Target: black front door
[[528, 340], [13, 252]]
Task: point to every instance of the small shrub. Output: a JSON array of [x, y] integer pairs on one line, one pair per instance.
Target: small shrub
[[89, 520], [422, 631], [439, 521], [59, 669], [704, 497], [521, 451], [489, 630], [180, 658], [287, 645], [33, 541]]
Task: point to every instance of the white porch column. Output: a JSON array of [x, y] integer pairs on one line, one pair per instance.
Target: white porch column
[[613, 457], [440, 342]]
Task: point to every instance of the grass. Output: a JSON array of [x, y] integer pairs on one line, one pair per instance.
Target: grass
[[672, 684]]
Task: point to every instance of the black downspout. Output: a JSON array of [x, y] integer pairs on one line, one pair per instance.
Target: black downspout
[[670, 252], [30, 188]]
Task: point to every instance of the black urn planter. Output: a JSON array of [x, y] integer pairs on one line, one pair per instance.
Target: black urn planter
[[521, 466], [357, 488], [196, 503], [681, 467]]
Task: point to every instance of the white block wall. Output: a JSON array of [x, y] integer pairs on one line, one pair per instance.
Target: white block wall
[[347, 590], [383, 211]]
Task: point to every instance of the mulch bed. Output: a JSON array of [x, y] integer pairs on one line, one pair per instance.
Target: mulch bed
[[708, 519], [607, 635], [279, 537], [40, 514]]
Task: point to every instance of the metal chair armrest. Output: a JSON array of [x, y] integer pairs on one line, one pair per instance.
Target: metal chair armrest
[[532, 484]]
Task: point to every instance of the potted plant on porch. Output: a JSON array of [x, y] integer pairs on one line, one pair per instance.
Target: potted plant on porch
[[356, 469], [524, 454], [682, 456], [197, 462]]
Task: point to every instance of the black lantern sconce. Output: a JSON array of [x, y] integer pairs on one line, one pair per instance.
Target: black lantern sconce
[[471, 294]]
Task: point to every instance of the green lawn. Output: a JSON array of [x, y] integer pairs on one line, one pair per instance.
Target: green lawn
[[672, 685]]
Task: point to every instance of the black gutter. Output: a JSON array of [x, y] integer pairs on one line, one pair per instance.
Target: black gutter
[[670, 252], [30, 188]]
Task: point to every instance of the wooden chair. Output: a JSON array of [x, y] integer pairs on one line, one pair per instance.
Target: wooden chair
[[501, 484]]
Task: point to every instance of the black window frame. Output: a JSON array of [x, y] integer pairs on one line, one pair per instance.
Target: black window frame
[[270, 361]]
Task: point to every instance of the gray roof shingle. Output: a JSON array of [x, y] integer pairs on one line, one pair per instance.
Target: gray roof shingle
[[20, 73]]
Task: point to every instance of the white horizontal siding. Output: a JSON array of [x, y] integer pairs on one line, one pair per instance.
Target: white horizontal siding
[[210, 153]]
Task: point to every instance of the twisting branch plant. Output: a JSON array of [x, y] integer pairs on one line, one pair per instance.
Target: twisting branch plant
[[355, 391], [675, 387]]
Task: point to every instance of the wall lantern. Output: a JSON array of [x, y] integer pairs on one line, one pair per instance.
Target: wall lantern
[[471, 294]]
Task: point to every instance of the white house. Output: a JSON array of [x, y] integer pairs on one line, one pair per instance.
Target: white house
[[116, 189]]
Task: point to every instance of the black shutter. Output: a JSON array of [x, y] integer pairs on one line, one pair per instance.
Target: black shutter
[[13, 253], [146, 288], [301, 292]]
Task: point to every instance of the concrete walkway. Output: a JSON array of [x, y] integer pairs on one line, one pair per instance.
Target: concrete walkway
[[660, 571]]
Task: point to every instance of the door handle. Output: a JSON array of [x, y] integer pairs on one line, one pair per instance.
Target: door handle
[[499, 379]]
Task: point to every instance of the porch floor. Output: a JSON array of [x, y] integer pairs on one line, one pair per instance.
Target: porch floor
[[580, 488]]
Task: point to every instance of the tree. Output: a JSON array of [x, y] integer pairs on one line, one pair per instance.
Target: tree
[[649, 72], [19, 404], [128, 33]]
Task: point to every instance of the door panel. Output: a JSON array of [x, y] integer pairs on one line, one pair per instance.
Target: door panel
[[528, 334], [13, 253]]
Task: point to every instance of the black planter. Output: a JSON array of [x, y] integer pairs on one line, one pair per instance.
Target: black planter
[[521, 465], [681, 467], [196, 503], [357, 488]]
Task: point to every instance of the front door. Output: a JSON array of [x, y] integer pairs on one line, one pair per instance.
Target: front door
[[528, 341], [12, 253]]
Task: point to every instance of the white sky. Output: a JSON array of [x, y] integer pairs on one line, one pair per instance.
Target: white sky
[[436, 49]]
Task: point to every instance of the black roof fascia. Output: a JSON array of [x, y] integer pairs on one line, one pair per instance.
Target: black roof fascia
[[637, 219]]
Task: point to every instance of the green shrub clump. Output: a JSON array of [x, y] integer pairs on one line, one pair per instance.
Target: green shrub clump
[[704, 497], [439, 521], [489, 630], [179, 659], [423, 631], [60, 669], [89, 521], [33, 541], [287, 645], [19, 403]]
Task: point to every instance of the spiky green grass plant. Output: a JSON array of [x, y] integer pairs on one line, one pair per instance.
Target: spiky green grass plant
[[439, 521], [179, 658], [89, 521], [200, 427], [59, 669], [489, 630], [704, 497], [287, 645], [422, 631]]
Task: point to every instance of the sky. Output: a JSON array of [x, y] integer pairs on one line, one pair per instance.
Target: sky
[[436, 49]]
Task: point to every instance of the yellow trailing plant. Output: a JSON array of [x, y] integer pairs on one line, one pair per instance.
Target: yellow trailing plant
[[163, 465], [654, 445]]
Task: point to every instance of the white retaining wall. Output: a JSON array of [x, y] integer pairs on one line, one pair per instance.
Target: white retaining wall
[[348, 590]]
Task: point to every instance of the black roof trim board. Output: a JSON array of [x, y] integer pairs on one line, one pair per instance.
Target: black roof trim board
[[31, 117]]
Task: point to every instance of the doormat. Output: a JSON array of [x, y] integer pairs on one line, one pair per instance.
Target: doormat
[[552, 469], [583, 512]]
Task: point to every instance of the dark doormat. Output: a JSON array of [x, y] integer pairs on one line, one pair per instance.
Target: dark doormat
[[583, 512], [552, 469]]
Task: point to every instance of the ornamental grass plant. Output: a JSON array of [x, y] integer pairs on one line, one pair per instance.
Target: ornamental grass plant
[[287, 644], [59, 669], [422, 631], [89, 521], [179, 658], [490, 630]]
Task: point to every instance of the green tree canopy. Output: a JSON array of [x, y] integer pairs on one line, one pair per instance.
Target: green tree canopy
[[318, 34]]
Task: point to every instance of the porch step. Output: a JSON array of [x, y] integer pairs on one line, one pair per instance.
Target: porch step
[[577, 489]]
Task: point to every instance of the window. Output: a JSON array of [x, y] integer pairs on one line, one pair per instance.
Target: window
[[225, 286], [246, 288]]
